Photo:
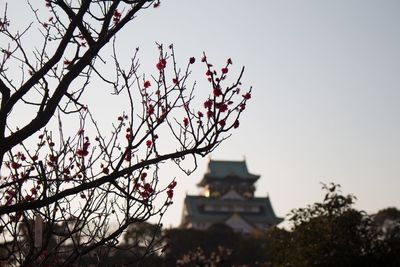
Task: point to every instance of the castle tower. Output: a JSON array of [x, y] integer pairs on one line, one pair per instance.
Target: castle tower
[[228, 197]]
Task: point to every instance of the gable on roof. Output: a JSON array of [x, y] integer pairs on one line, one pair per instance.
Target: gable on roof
[[238, 224], [232, 194]]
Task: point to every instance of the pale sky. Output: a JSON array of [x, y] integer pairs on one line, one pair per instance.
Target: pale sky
[[326, 91]]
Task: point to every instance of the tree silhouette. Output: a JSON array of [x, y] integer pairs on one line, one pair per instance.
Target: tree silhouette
[[327, 233], [61, 187]]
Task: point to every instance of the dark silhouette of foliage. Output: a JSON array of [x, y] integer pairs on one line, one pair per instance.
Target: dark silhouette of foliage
[[217, 246], [330, 233], [218, 258], [387, 224]]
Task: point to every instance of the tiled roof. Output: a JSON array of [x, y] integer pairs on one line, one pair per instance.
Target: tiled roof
[[220, 169], [194, 207]]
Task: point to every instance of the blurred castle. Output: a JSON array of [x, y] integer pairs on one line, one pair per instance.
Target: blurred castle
[[228, 197]]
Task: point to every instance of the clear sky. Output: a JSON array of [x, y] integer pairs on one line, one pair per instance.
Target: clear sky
[[326, 97]]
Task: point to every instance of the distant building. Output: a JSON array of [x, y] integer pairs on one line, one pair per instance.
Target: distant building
[[228, 197]]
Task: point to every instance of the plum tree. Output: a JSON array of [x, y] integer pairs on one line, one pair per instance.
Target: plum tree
[[61, 186]]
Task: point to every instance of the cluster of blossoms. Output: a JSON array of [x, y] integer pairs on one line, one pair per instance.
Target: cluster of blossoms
[[144, 188], [104, 169], [116, 16], [170, 189], [146, 84], [84, 150], [147, 190], [66, 62], [218, 106], [20, 168], [162, 64], [220, 100]]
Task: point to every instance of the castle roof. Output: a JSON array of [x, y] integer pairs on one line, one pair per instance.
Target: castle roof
[[196, 209], [220, 170]]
